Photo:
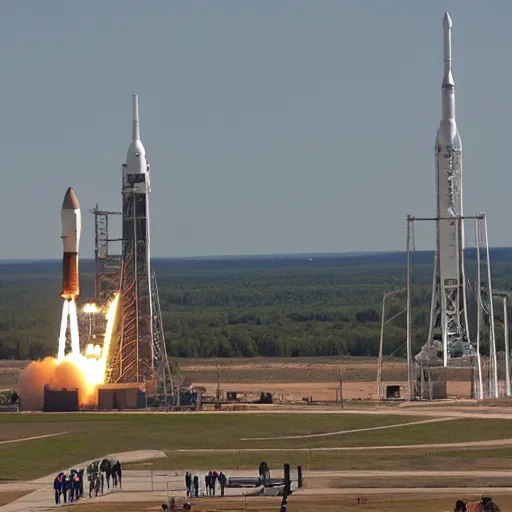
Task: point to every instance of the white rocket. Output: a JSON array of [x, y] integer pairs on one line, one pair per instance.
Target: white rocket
[[136, 162], [449, 322]]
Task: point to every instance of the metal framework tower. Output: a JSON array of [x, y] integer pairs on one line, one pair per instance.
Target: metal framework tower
[[138, 350], [108, 265], [165, 380], [480, 289], [449, 329], [136, 361]]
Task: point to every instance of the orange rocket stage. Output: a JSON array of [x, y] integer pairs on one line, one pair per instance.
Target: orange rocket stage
[[70, 279]]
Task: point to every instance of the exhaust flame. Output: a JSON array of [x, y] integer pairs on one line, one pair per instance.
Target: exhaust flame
[[90, 308], [71, 371]]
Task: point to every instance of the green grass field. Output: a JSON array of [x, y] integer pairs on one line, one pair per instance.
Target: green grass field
[[95, 434], [488, 459]]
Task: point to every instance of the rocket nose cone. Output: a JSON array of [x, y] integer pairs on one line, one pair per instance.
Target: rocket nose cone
[[70, 200], [447, 21]]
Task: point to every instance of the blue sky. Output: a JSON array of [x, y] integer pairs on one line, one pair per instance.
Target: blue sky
[[271, 126]]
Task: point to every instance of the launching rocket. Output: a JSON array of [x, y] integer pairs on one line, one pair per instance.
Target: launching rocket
[[71, 222]]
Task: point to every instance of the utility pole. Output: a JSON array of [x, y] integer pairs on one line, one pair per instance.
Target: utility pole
[[217, 406], [508, 390], [410, 392], [341, 389]]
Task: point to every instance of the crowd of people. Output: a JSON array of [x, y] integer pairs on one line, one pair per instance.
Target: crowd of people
[[70, 487], [211, 479]]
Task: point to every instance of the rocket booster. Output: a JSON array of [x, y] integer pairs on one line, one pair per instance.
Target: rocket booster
[[71, 222], [449, 171]]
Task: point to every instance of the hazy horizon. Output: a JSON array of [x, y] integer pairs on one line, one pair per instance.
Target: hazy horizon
[[271, 127], [298, 255]]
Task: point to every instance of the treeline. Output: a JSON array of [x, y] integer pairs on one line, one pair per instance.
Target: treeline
[[297, 306]]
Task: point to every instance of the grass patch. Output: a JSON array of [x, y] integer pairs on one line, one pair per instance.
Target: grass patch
[[95, 434], [9, 496], [24, 430], [426, 433], [297, 503], [92, 435], [469, 459]]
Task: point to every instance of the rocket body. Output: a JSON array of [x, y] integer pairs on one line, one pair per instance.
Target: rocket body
[[449, 323], [71, 223]]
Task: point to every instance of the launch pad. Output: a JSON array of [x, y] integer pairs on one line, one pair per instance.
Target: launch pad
[[461, 304]]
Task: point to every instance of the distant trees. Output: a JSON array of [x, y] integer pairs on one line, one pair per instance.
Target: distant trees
[[243, 308]]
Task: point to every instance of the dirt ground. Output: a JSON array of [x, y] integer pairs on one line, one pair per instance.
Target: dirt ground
[[320, 391], [9, 496], [316, 379], [297, 503]]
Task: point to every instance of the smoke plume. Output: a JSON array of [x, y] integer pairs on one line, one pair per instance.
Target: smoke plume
[[58, 375]]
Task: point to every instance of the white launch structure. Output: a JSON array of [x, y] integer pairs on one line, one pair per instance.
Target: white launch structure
[[141, 355], [449, 321], [455, 319]]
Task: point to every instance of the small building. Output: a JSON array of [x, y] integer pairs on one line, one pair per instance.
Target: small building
[[121, 396], [60, 400]]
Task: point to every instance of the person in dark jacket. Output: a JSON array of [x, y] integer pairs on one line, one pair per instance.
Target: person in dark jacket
[[222, 482], [196, 486], [460, 506], [81, 475], [56, 488], [213, 481], [120, 474], [64, 487], [207, 484], [188, 483]]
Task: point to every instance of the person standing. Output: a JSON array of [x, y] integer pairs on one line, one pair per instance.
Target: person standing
[[188, 483], [56, 488], [214, 481], [222, 482], [196, 486], [207, 484]]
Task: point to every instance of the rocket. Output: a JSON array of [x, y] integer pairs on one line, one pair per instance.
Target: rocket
[[448, 136], [449, 309], [71, 223], [136, 162]]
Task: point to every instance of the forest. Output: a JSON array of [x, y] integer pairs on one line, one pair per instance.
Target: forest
[[293, 306]]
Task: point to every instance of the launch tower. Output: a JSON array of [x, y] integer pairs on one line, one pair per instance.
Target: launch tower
[[458, 301], [135, 350], [138, 354], [449, 320]]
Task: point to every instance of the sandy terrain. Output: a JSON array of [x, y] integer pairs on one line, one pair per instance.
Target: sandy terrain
[[321, 391]]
